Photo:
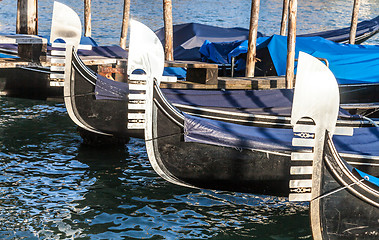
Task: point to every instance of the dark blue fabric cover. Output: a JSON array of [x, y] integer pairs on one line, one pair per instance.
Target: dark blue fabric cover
[[365, 140], [105, 51], [189, 37], [368, 177], [180, 73], [110, 90], [83, 40], [343, 34], [351, 64], [101, 51], [234, 135], [273, 101]]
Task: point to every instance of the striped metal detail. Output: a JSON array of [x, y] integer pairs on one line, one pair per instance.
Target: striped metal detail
[[136, 116], [301, 170], [137, 96], [56, 84], [57, 61], [137, 87], [137, 77], [58, 45], [137, 101], [302, 163], [136, 126], [303, 142], [56, 76], [302, 156], [304, 128], [58, 53], [57, 68], [140, 106], [297, 197], [301, 183], [346, 131]]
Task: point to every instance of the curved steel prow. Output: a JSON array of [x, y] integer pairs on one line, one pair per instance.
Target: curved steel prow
[[316, 93], [145, 51], [65, 25], [316, 97]]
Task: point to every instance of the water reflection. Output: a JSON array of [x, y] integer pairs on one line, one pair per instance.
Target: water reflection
[[52, 187]]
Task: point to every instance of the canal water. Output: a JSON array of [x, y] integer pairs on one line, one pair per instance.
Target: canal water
[[53, 187]]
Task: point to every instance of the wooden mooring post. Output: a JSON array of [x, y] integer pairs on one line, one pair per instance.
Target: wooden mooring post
[[283, 24], [291, 42], [167, 17], [27, 23], [354, 22], [252, 48], [27, 17], [125, 22], [87, 18]]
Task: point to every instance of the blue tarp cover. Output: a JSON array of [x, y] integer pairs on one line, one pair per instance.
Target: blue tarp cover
[[365, 140], [351, 64], [273, 101], [111, 90], [189, 37], [368, 177]]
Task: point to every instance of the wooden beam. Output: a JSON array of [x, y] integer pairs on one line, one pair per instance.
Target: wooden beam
[[167, 17], [125, 23], [354, 22], [27, 17], [291, 43], [283, 24], [252, 51], [87, 18]]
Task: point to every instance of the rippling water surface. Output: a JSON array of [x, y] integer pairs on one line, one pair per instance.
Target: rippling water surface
[[53, 187]]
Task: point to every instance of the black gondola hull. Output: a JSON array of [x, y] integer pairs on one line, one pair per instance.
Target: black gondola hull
[[349, 212]]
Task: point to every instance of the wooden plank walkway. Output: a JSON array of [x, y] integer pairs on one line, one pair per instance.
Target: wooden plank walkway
[[88, 60], [255, 83]]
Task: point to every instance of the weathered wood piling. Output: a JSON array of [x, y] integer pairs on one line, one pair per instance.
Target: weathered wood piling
[[354, 22], [283, 24], [125, 22], [291, 42], [87, 18], [167, 17], [253, 31]]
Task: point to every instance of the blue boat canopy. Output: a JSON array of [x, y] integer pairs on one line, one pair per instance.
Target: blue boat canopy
[[351, 64], [189, 37], [365, 141]]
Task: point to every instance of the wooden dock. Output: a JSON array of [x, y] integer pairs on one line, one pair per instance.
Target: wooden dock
[[228, 83]]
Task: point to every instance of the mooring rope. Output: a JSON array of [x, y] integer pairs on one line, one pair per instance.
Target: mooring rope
[[170, 135], [371, 121], [338, 190], [80, 95]]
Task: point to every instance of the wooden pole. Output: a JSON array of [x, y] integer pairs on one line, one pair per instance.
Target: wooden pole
[[167, 17], [125, 22], [27, 17], [87, 18], [252, 51], [354, 22], [291, 42], [283, 24]]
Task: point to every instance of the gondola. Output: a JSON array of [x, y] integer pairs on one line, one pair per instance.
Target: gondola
[[197, 152], [189, 37], [347, 206], [39, 79], [34, 81], [344, 200], [265, 113], [267, 108]]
